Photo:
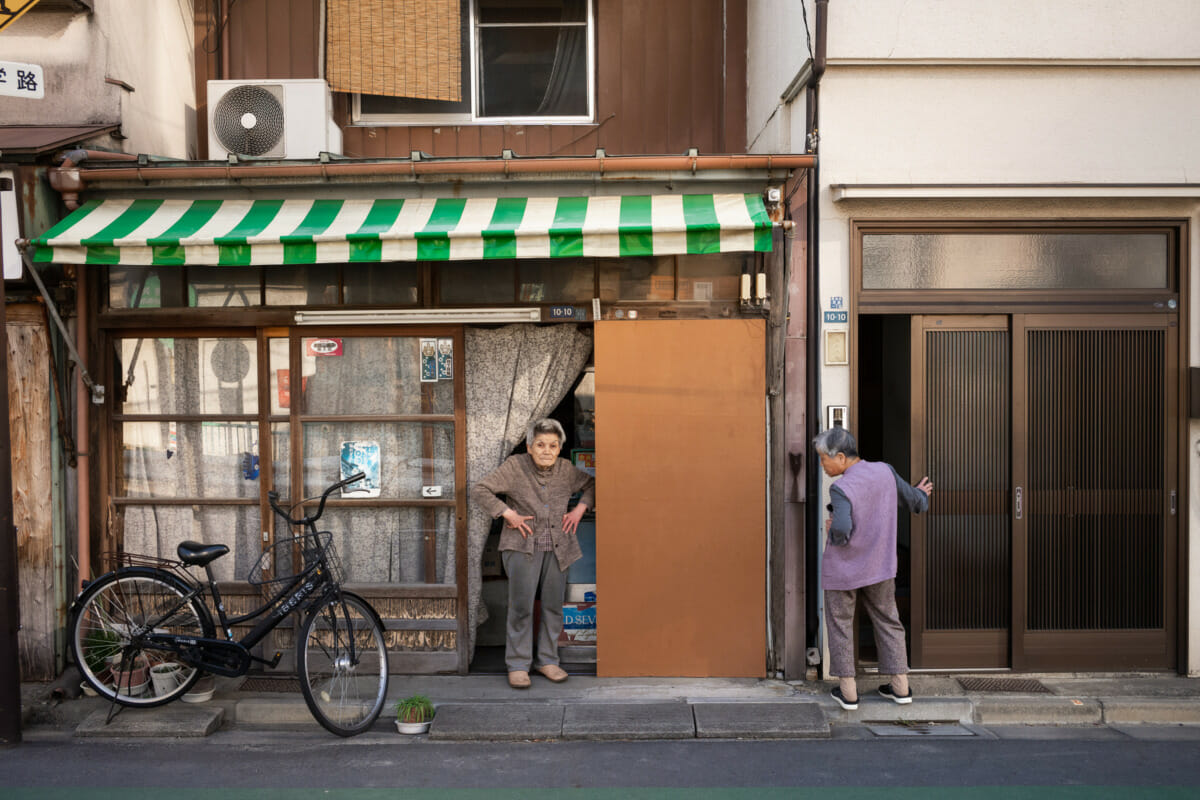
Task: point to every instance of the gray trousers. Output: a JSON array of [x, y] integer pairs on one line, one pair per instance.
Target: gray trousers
[[525, 573], [879, 599]]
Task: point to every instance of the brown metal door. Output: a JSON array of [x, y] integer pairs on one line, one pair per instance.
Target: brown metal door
[[961, 549], [1095, 498], [1049, 542]]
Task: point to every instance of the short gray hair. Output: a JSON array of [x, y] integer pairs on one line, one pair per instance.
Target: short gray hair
[[546, 425], [836, 440]]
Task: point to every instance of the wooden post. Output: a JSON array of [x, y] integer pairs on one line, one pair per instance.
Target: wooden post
[[10, 613]]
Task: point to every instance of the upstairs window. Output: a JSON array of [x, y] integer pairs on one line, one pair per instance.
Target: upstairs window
[[463, 61]]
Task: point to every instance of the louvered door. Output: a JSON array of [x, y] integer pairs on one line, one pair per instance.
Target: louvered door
[[961, 549], [1096, 529]]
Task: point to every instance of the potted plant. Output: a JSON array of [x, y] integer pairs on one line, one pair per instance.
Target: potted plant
[[166, 677], [130, 676], [202, 690], [414, 714], [98, 647]]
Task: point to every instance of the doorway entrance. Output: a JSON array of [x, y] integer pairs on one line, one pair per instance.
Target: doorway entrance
[[1051, 542]]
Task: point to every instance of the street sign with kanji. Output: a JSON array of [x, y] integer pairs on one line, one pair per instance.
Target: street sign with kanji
[[22, 80], [11, 9]]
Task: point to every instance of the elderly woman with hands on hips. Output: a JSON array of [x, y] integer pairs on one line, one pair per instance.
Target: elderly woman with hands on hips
[[538, 543], [860, 561]]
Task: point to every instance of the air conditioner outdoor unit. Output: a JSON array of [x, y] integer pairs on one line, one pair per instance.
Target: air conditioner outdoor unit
[[271, 119]]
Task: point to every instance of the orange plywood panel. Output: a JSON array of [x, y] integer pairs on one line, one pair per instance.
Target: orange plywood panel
[[681, 510]]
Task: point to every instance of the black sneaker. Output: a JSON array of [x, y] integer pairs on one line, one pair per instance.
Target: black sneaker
[[849, 705], [887, 691]]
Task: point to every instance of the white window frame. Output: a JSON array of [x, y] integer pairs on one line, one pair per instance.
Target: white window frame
[[472, 118]]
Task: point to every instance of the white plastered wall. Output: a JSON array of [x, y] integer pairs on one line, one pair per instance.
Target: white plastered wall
[[145, 44], [1087, 104]]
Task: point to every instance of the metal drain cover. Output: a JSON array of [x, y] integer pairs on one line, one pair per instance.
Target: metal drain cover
[[920, 729], [988, 685], [270, 685]]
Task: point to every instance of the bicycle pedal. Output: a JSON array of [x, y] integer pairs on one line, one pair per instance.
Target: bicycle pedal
[[275, 659]]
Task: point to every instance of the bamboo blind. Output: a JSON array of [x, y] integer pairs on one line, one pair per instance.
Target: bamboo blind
[[396, 48]]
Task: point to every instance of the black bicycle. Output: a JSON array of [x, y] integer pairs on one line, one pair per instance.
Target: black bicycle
[[143, 634]]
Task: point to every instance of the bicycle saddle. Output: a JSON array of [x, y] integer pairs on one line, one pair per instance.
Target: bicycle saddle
[[200, 554]]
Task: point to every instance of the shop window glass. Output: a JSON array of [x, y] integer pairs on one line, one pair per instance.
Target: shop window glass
[[476, 282], [390, 284], [281, 459], [362, 375], [648, 278], [710, 277], [144, 287], [411, 456], [556, 281], [1079, 261], [224, 287], [167, 458], [158, 530], [186, 376], [391, 545], [304, 285]]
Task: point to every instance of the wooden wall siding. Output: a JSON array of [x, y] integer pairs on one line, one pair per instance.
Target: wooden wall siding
[[29, 427], [662, 83]]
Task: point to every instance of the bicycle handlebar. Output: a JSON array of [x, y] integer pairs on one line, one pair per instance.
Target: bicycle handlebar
[[273, 499]]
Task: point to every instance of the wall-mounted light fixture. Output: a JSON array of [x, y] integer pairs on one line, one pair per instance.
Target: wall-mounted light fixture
[[416, 316]]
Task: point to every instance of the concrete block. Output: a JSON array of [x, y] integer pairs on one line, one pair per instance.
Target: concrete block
[[1161, 733], [277, 710], [1039, 710], [628, 721], [801, 720], [1057, 733], [872, 708], [497, 721], [1151, 710], [174, 720]]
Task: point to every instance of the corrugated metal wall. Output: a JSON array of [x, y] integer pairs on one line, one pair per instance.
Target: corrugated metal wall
[[671, 74]]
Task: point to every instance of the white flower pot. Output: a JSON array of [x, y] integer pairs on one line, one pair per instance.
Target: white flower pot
[[166, 677], [412, 727], [202, 691]]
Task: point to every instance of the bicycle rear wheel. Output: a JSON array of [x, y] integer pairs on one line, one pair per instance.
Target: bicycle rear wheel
[[341, 656], [111, 611]]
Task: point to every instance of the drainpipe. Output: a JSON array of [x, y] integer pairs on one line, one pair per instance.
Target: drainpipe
[[223, 21], [83, 435], [812, 415]]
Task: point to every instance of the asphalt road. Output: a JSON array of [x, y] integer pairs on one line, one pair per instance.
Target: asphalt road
[[857, 763]]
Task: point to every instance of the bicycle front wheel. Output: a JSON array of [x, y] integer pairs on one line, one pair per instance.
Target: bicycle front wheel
[[341, 656], [111, 611]]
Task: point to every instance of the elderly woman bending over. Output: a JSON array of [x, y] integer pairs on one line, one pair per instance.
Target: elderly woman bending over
[[538, 543], [860, 561]]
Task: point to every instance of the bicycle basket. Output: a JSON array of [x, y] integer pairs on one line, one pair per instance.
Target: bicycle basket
[[287, 558]]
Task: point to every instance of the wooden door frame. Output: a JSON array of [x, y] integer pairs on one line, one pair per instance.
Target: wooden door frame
[[1174, 301], [401, 661]]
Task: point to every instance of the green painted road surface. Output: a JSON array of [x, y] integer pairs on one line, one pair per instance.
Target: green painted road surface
[[626, 793]]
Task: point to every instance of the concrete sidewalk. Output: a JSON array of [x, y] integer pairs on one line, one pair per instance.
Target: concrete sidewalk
[[484, 708]]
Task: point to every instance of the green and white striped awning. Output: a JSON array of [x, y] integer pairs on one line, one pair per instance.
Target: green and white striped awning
[[265, 232]]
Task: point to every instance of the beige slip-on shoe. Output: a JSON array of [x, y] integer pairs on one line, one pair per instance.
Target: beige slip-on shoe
[[554, 672], [518, 679]]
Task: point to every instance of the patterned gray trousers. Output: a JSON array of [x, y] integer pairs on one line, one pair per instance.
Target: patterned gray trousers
[[525, 574], [879, 599]]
